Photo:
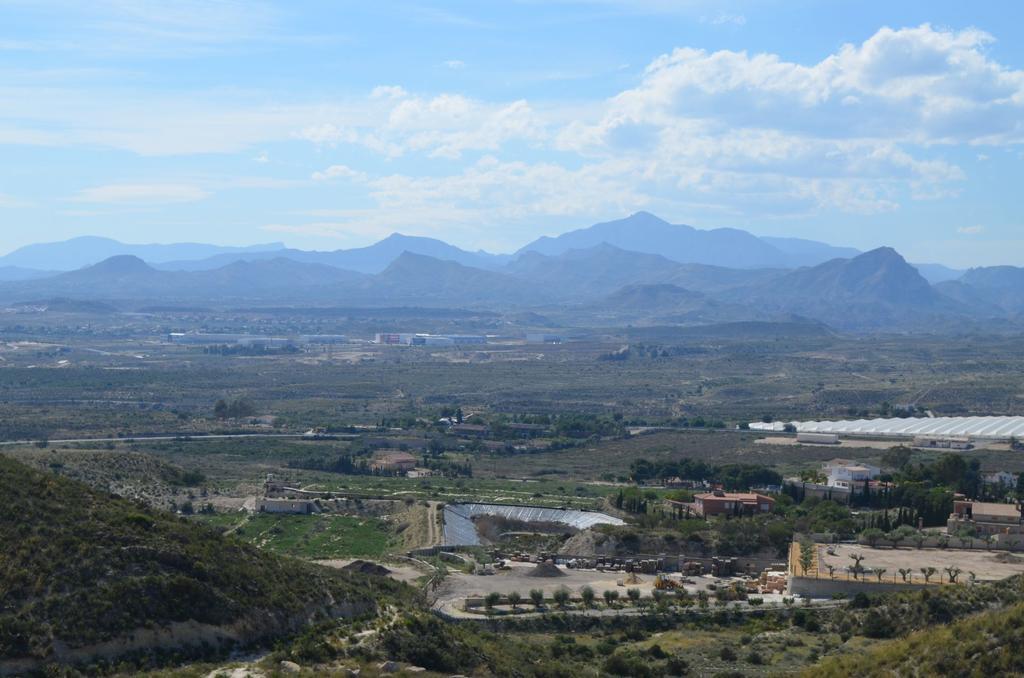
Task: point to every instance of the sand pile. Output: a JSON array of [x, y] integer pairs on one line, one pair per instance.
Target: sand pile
[[545, 569], [366, 567]]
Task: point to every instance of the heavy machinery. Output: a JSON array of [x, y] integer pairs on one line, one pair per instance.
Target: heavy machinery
[[663, 583]]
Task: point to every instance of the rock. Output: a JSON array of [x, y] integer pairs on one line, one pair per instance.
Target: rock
[[290, 667], [235, 673], [352, 673], [389, 667], [415, 669]]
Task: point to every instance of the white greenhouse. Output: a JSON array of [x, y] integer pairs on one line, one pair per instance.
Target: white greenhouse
[[975, 428]]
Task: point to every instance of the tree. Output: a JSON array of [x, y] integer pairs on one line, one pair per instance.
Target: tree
[[831, 571], [537, 597], [561, 597], [953, 573], [928, 573], [900, 534], [220, 409], [634, 595], [905, 572], [857, 567], [919, 538], [872, 536], [610, 596], [587, 594], [880, 572], [492, 599], [514, 599], [806, 555]]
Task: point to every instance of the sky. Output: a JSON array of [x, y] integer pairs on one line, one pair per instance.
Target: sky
[[328, 125]]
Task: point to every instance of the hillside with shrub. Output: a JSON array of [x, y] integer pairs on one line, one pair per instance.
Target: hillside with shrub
[[986, 644], [90, 577]]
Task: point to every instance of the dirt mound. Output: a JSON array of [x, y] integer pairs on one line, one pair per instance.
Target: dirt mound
[[545, 569], [366, 567], [1005, 557]]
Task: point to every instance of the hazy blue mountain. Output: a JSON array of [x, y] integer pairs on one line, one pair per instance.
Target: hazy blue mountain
[[583, 274], [936, 273], [372, 259], [874, 290], [980, 302], [804, 252], [126, 277], [415, 278], [644, 232], [77, 253], [10, 273], [1002, 286]]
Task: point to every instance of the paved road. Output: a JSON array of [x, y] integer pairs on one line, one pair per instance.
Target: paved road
[[179, 437]]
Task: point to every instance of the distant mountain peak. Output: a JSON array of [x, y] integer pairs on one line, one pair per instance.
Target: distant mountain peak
[[121, 264]]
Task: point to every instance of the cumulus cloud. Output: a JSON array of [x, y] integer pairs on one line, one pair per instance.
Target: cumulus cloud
[[140, 194]]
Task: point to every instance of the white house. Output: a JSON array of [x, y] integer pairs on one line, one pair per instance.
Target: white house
[[845, 473]]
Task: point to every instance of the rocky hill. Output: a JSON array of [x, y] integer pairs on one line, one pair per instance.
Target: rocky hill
[[88, 578]]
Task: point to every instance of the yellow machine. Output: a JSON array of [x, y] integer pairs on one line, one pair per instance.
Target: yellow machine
[[662, 583]]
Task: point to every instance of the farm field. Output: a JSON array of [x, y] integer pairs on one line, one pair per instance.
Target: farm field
[[311, 537]]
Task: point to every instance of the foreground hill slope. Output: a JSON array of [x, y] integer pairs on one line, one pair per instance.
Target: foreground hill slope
[[87, 576], [986, 644]]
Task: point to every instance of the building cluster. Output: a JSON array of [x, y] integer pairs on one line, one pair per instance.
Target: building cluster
[[719, 503], [256, 340], [1001, 522], [399, 463], [420, 339]]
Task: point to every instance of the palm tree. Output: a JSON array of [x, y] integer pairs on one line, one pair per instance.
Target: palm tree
[[905, 572], [514, 599], [928, 573], [537, 597], [879, 572]]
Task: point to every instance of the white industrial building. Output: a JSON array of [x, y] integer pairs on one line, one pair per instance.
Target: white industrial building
[[420, 339], [220, 339], [973, 428]]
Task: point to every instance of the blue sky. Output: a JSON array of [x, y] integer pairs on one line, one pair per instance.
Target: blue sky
[[332, 124]]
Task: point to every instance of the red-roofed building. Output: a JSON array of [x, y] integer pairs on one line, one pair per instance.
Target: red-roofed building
[[719, 503]]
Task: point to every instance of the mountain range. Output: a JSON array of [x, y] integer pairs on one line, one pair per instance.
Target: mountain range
[[640, 270]]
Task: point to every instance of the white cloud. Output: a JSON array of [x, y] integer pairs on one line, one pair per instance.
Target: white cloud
[[338, 172], [971, 230], [455, 64], [726, 18], [141, 194]]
